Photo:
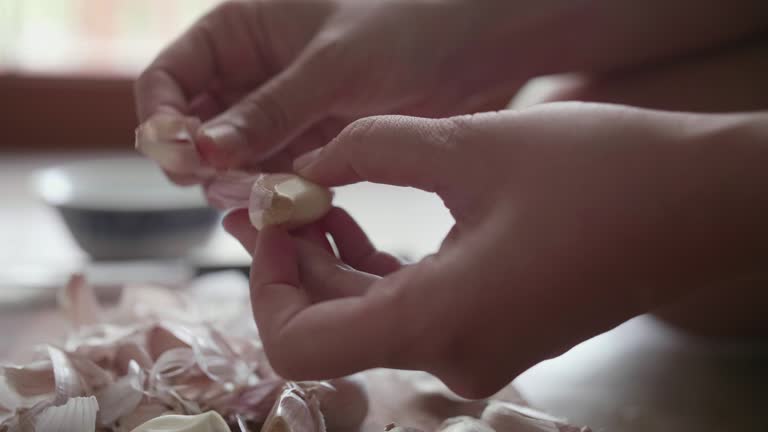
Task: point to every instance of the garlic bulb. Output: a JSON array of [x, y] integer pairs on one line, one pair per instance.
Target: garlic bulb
[[206, 422], [287, 200]]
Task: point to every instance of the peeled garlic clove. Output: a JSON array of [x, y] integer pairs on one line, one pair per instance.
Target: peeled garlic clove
[[168, 139], [287, 200], [465, 424], [209, 421]]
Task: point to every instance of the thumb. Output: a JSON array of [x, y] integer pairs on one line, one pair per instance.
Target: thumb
[[396, 150], [261, 123]]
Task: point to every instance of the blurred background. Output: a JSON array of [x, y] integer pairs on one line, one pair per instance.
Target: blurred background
[[68, 64], [66, 104]]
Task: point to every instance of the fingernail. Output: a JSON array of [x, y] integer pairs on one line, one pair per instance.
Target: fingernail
[[220, 144], [307, 159]]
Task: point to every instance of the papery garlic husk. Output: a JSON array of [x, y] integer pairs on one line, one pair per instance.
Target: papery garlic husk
[[465, 424], [230, 190], [509, 417], [287, 200], [168, 139], [206, 422], [295, 411], [77, 414], [33, 379], [121, 397]]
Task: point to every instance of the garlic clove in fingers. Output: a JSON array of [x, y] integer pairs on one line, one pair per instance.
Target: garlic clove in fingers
[[287, 200], [168, 139]]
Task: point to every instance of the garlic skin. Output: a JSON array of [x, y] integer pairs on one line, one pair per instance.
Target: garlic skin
[[168, 139], [287, 200], [295, 410], [206, 422], [77, 414]]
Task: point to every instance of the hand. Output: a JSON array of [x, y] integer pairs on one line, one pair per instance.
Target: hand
[[272, 79], [570, 219]]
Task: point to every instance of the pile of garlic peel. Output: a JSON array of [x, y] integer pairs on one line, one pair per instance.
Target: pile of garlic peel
[[279, 199], [501, 416], [146, 359]]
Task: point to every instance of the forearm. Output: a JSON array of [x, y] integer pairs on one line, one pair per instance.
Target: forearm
[[538, 38]]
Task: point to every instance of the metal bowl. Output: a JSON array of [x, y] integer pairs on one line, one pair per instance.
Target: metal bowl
[[124, 208]]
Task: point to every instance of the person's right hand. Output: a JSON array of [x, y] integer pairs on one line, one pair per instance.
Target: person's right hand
[[272, 79], [570, 219]]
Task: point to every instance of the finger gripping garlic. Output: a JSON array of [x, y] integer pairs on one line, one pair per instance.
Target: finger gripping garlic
[[287, 200]]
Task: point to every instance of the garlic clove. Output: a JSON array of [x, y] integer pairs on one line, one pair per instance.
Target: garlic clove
[[142, 414], [206, 422], [466, 424], [287, 200], [168, 139]]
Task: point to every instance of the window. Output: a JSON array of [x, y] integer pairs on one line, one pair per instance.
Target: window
[[89, 36], [66, 67]]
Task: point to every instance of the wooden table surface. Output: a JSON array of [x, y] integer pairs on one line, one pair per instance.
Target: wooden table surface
[[641, 376]]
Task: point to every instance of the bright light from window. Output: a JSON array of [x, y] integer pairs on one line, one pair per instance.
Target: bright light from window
[[90, 36]]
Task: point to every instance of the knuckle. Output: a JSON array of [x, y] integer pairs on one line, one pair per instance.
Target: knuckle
[[357, 131], [267, 107], [330, 48], [457, 132]]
